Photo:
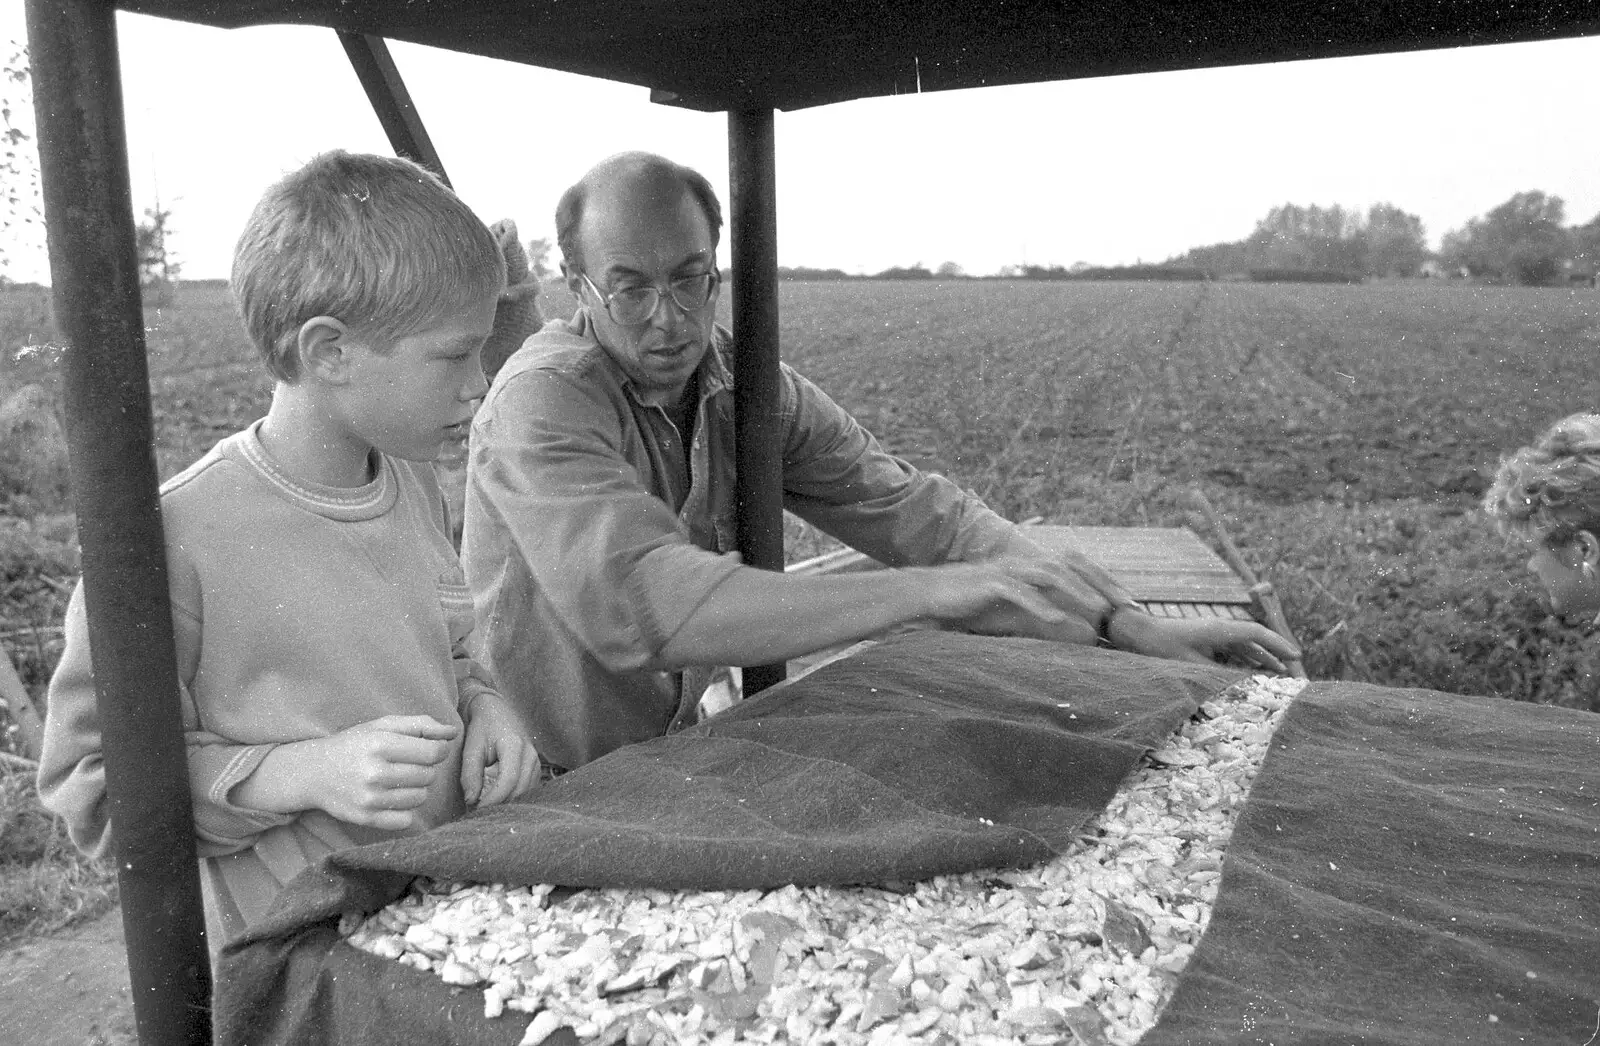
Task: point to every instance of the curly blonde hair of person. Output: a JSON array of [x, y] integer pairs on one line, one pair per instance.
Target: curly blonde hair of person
[[1550, 490]]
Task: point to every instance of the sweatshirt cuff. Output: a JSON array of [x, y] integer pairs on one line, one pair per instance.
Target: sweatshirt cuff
[[467, 691], [218, 820]]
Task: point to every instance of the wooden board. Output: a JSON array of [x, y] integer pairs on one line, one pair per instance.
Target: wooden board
[[1167, 569], [1157, 565]]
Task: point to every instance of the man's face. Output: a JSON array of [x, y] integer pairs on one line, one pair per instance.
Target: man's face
[[637, 236]]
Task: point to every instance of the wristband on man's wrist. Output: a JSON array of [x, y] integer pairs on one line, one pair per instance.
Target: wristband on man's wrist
[[1103, 629]]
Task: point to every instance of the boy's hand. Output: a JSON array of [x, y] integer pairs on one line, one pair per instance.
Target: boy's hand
[[497, 762], [376, 773]]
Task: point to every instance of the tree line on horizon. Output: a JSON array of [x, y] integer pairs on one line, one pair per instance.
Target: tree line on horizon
[[1524, 241]]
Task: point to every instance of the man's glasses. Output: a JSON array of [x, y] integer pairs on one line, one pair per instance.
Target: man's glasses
[[632, 306]]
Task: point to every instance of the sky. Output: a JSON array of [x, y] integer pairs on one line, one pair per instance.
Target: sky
[[1107, 171]]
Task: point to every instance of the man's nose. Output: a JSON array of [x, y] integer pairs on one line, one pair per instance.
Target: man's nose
[[667, 312]]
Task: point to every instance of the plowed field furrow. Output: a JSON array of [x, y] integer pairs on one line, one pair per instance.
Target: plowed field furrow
[[1292, 391]]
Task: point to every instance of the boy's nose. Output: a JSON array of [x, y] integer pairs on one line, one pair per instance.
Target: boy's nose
[[477, 386]]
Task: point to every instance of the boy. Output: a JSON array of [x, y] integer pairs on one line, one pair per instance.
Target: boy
[[321, 615]]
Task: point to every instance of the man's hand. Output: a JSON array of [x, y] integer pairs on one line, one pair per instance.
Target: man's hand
[[1199, 639], [1003, 596], [1008, 620], [1080, 604], [497, 761]]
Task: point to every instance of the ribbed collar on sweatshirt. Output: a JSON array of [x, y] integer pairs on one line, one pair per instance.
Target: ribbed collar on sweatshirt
[[346, 504]]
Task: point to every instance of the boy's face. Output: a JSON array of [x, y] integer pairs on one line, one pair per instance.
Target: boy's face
[[1574, 593], [413, 396]]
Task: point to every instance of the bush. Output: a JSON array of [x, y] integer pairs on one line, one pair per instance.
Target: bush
[[38, 562], [33, 455], [1304, 276]]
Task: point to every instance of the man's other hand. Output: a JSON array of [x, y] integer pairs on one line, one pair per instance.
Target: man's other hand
[[1200, 639]]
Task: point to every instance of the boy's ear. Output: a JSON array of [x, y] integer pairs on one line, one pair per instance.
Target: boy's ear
[[1588, 550], [324, 349]]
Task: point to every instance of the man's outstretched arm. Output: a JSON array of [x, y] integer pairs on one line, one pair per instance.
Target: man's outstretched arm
[[758, 616]]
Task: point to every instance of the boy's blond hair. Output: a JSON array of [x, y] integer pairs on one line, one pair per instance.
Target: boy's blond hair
[[376, 242], [1551, 490]]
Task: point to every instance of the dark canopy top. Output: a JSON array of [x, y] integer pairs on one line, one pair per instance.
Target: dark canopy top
[[788, 54]]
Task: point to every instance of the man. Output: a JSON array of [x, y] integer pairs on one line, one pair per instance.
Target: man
[[600, 502]]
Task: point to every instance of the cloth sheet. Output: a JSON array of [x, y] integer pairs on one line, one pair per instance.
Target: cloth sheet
[[931, 753], [1410, 868]]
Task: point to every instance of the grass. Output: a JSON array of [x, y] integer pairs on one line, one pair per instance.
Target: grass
[[45, 883], [1344, 431]]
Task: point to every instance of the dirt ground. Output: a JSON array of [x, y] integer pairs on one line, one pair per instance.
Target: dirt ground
[[70, 989]]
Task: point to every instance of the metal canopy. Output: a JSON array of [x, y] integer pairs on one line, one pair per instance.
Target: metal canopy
[[789, 54]]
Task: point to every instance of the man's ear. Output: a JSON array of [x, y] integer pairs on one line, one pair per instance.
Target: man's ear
[[323, 346], [574, 277]]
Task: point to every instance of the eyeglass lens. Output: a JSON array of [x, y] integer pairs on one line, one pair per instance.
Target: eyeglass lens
[[637, 304]]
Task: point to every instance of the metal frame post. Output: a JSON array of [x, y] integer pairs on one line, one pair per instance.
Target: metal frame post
[[83, 157], [391, 102], [752, 162]]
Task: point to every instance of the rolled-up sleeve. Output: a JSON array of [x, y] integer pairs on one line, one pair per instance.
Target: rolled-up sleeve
[[559, 495]]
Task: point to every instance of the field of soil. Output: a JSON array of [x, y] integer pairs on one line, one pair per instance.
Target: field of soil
[[1283, 394]]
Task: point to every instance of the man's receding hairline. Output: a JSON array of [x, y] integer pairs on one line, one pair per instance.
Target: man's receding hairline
[[610, 176], [705, 251]]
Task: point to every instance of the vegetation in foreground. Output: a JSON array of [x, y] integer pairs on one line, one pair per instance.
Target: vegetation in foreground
[[45, 884], [1346, 433]]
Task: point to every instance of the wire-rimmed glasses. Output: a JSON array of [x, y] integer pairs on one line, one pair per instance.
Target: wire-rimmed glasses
[[632, 306]]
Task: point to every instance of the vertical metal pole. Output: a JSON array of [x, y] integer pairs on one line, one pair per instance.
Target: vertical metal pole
[[752, 161], [83, 154], [380, 78]]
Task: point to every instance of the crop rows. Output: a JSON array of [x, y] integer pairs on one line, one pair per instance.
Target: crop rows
[[1283, 390]]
